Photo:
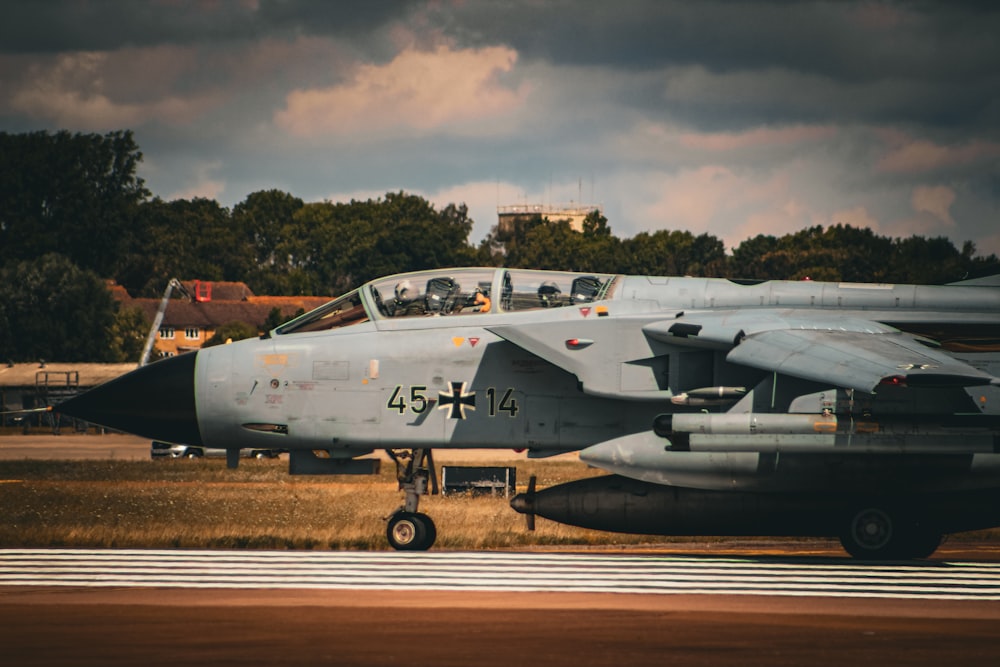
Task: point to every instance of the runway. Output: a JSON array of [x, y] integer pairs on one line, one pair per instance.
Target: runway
[[479, 571], [127, 607]]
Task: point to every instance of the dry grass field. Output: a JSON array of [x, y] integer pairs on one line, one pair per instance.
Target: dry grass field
[[200, 503], [104, 491]]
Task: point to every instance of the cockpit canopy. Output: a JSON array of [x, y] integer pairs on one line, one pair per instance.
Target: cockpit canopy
[[464, 291]]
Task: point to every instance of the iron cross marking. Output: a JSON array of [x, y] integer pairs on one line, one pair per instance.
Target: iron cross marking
[[458, 400]]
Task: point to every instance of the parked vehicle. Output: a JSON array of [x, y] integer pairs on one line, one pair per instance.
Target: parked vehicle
[[167, 450]]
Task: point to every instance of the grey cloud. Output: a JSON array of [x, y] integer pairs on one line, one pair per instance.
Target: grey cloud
[[601, 73], [931, 64], [848, 40], [30, 26], [925, 63], [780, 96]]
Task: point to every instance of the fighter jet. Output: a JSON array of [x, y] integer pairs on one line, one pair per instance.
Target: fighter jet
[[869, 412]]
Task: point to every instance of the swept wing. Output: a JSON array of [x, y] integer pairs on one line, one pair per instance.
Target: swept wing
[[849, 352]]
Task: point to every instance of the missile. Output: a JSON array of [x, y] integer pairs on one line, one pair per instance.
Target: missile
[[801, 461], [706, 396], [753, 423], [824, 432]]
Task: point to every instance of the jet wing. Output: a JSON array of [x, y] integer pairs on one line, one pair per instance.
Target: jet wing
[[854, 360], [849, 352], [610, 357]]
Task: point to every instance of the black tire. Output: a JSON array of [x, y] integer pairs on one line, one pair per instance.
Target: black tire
[[430, 531], [193, 453], [881, 533], [870, 534], [406, 532], [410, 531], [923, 543]]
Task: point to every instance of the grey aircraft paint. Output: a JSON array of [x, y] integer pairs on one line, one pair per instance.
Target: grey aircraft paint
[[867, 411]]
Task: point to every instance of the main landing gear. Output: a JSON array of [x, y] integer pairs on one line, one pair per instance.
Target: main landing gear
[[408, 529], [882, 531]]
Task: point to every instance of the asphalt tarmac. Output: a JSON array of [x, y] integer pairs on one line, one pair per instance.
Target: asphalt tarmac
[[83, 627]]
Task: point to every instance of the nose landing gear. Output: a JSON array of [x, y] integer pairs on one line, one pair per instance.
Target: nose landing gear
[[408, 529]]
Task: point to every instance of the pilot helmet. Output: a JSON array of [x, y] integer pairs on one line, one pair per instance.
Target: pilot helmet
[[405, 291], [548, 293]]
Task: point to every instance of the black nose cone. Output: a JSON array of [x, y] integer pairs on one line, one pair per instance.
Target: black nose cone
[[156, 401]]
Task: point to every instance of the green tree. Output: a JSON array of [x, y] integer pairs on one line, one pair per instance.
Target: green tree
[[72, 194], [275, 319], [504, 240], [979, 266], [595, 225], [51, 309], [331, 248], [232, 331], [408, 234], [543, 244], [262, 222], [127, 334], [185, 238], [936, 260], [674, 253], [550, 245], [747, 256], [599, 250]]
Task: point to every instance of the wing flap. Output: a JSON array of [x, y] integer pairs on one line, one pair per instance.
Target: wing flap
[[854, 359], [850, 352]]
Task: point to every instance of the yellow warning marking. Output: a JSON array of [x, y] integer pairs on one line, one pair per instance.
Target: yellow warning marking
[[458, 341], [825, 427], [866, 427], [275, 359]]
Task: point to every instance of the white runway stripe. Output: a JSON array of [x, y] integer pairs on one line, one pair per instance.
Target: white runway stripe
[[475, 571]]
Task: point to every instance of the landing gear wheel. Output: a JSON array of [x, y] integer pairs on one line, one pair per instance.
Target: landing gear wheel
[[408, 529], [870, 534], [923, 544], [878, 533], [411, 531], [431, 535]]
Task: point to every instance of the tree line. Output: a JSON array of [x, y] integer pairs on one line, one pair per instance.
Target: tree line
[[74, 213]]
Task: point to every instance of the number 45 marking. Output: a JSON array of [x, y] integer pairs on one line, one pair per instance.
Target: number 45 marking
[[418, 401]]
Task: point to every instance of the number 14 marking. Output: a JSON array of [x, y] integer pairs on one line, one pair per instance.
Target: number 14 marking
[[507, 403]]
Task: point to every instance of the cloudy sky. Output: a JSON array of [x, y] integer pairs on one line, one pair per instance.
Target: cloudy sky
[[732, 118]]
